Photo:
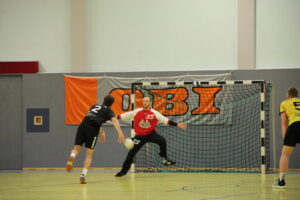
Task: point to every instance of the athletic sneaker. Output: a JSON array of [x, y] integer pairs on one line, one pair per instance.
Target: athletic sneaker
[[120, 174], [279, 184], [82, 179], [167, 162], [70, 164]]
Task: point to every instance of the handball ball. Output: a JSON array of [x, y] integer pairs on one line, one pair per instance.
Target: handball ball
[[128, 143]]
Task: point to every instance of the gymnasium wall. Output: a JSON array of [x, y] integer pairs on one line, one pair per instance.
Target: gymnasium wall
[[11, 116], [166, 35], [277, 34], [35, 30], [116, 35], [22, 149]]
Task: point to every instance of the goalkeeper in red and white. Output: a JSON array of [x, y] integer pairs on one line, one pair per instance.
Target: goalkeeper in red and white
[[145, 121]]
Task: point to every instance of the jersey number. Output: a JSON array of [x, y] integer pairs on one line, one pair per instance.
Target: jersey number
[[96, 109], [297, 105]]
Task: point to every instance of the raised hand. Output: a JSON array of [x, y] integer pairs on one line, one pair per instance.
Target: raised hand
[[182, 125]]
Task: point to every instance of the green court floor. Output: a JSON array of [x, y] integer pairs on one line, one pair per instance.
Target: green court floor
[[145, 186]]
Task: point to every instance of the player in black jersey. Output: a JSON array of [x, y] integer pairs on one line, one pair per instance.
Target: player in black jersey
[[89, 130]]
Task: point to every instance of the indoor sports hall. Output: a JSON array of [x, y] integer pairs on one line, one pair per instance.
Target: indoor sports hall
[[198, 98]]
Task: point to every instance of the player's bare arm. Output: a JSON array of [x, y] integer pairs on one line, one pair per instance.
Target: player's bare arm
[[121, 137], [284, 124], [102, 135]]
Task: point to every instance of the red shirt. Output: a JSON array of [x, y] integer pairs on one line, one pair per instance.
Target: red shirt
[[145, 121]]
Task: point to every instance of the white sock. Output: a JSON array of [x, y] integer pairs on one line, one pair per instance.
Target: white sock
[[73, 154], [84, 172], [281, 176]]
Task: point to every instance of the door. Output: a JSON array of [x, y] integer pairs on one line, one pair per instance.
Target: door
[[11, 122]]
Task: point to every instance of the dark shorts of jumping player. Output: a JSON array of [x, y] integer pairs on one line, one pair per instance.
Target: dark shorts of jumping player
[[87, 133], [292, 136]]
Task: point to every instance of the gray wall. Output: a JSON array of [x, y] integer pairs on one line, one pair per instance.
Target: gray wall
[[52, 149], [11, 129]]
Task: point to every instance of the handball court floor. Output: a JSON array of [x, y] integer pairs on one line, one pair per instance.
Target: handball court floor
[[59, 185]]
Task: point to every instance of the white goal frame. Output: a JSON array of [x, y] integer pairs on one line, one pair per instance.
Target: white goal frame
[[230, 82]]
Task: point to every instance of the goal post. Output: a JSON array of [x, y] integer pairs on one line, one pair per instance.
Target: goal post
[[226, 125]]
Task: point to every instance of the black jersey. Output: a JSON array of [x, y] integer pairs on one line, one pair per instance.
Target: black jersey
[[98, 114]]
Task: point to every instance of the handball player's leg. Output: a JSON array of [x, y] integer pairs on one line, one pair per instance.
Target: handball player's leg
[[283, 166], [87, 163], [160, 140], [74, 152], [138, 144]]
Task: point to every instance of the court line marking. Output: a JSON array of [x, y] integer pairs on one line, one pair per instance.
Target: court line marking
[[228, 196]]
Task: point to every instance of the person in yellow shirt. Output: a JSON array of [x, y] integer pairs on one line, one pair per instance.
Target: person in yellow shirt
[[290, 129]]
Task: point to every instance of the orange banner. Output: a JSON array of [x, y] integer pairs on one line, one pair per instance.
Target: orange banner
[[81, 94]]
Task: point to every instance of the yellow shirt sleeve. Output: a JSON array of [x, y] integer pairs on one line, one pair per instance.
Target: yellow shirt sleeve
[[282, 108]]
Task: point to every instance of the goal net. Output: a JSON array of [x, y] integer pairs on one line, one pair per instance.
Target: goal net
[[226, 126]]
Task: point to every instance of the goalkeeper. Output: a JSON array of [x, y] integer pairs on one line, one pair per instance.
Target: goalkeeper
[[145, 121]]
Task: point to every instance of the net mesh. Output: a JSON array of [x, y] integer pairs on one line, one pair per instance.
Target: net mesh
[[223, 131]]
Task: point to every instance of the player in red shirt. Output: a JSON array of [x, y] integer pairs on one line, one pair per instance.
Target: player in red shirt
[[145, 121]]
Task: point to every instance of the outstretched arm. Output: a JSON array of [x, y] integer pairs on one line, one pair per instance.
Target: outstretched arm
[[180, 125], [284, 124], [167, 121], [102, 135], [128, 115], [121, 137]]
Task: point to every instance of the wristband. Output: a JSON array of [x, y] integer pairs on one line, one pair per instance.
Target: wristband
[[172, 123]]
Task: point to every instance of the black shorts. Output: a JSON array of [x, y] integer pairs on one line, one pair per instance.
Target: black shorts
[[88, 134], [292, 136]]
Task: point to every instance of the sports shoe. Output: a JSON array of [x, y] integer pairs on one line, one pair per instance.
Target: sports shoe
[[70, 164], [167, 162], [82, 179], [280, 184], [120, 174]]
